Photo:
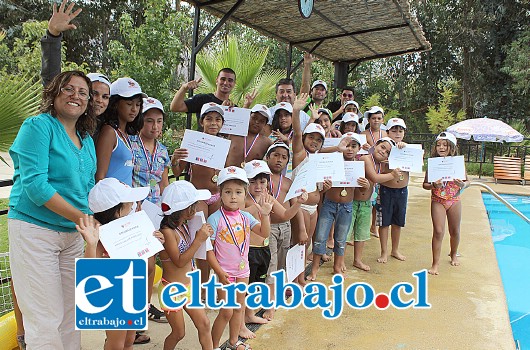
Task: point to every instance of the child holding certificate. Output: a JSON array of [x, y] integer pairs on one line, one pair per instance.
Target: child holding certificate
[[211, 120], [231, 239], [445, 203], [179, 202], [259, 255], [336, 211], [393, 196], [304, 143], [109, 200], [374, 133]]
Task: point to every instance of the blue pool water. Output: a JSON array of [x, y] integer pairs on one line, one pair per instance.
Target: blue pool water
[[511, 238]]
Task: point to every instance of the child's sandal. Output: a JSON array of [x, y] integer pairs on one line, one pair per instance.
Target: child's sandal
[[237, 345]]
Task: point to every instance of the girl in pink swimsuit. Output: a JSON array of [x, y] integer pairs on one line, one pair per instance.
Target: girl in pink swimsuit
[[445, 202]]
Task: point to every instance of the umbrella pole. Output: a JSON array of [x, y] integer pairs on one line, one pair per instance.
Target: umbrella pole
[[481, 160]]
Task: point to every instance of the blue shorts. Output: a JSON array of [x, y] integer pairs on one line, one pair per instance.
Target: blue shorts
[[393, 205]]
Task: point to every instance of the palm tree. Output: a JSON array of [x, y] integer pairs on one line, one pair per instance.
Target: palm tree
[[247, 60], [19, 99]]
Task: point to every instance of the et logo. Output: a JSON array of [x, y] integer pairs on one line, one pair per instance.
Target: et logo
[[110, 294]]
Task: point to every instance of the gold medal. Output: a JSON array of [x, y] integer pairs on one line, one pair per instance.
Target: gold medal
[[401, 177], [214, 178], [343, 193], [242, 265], [266, 242], [243, 164], [152, 183]]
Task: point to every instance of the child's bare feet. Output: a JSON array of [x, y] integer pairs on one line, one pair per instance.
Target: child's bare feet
[[373, 231], [326, 258], [301, 280], [454, 261], [311, 277], [434, 269], [398, 256], [269, 314], [255, 319], [343, 267], [338, 271], [246, 333], [350, 243], [361, 266], [382, 259]]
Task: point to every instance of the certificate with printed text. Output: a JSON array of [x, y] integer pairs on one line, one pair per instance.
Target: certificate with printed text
[[130, 237], [154, 213], [194, 224], [352, 171], [206, 150], [295, 262], [302, 180], [407, 159], [446, 168], [331, 142], [327, 166], [236, 121]]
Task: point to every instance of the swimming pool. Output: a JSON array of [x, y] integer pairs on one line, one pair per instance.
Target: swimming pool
[[511, 238]]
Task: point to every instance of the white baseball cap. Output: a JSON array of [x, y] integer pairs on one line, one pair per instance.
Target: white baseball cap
[[152, 102], [126, 87], [181, 194], [350, 117], [232, 173], [395, 122], [387, 139], [325, 110], [110, 192], [319, 82], [97, 77], [276, 145], [285, 106], [446, 136], [212, 107], [351, 103], [373, 110], [264, 110], [314, 127], [256, 167], [354, 136]]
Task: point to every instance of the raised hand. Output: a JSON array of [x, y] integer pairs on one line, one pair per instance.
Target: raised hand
[[314, 112], [193, 84], [309, 58], [204, 233], [180, 153], [249, 98], [343, 144], [301, 101], [280, 136], [335, 133], [264, 204], [60, 19], [88, 228]]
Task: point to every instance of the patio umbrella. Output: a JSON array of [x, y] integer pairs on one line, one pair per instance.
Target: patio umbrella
[[485, 130]]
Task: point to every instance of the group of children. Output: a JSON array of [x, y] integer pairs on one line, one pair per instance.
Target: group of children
[[249, 223]]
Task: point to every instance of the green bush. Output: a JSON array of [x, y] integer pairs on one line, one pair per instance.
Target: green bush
[[473, 169]]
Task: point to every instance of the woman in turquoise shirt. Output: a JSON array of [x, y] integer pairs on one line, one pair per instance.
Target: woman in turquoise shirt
[[55, 164]]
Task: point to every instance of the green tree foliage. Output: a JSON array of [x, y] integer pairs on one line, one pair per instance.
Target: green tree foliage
[[247, 60], [375, 100], [440, 117], [517, 63]]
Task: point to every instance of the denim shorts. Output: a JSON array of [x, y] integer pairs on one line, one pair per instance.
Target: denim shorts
[[393, 205], [330, 212]]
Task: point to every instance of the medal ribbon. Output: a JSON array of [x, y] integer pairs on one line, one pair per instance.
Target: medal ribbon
[[227, 222], [251, 145], [150, 160], [125, 139], [279, 186], [372, 135]]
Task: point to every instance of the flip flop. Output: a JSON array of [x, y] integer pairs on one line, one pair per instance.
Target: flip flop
[[141, 338]]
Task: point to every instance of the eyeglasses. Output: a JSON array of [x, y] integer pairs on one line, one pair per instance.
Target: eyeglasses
[[83, 94], [347, 95]]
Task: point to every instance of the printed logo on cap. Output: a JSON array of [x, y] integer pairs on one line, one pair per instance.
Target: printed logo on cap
[[256, 164], [231, 170], [150, 100], [131, 83]]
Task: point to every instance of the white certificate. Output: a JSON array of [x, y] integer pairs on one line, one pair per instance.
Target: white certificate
[[236, 121], [295, 262], [206, 150], [352, 171], [362, 137], [130, 237], [327, 166], [331, 142], [154, 213], [406, 159], [302, 180], [446, 168], [194, 224]]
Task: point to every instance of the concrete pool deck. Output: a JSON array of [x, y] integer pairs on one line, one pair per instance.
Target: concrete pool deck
[[468, 303]]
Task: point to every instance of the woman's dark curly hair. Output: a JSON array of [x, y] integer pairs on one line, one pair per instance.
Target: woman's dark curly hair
[[86, 123], [110, 116]]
